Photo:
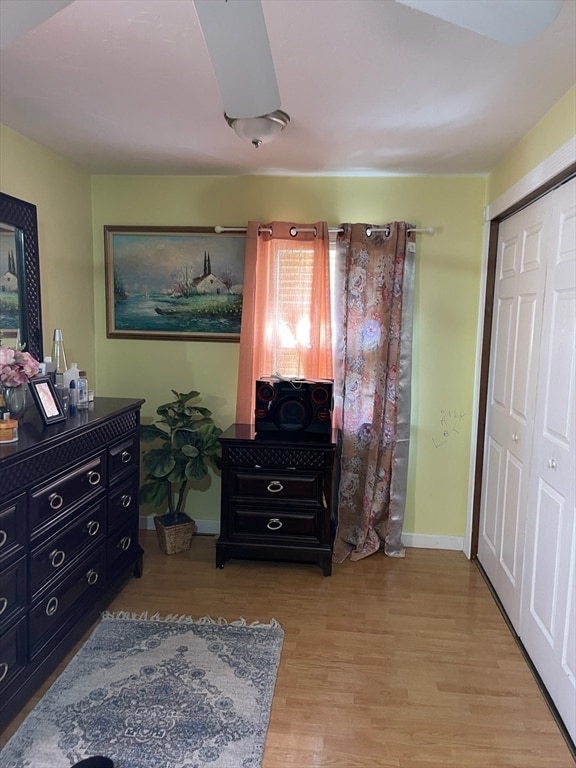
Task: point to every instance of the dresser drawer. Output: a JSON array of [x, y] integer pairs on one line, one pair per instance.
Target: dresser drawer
[[12, 529], [70, 598], [274, 523], [54, 557], [13, 592], [13, 656], [123, 547], [277, 487], [123, 503], [123, 457], [51, 501]]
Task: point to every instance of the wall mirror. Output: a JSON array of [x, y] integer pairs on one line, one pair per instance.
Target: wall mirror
[[20, 311]]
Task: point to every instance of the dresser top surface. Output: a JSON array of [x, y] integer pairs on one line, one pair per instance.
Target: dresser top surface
[[33, 434]]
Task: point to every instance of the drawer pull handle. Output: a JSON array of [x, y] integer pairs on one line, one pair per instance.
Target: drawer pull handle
[[126, 500], [125, 543], [3, 604], [93, 477], [274, 524], [51, 606], [57, 558], [125, 457], [275, 486], [55, 501], [3, 670], [93, 527], [92, 577], [3, 538]]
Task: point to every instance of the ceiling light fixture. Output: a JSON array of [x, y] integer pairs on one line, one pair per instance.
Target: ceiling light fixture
[[259, 130]]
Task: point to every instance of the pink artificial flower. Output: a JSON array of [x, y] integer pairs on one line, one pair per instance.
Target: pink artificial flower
[[16, 367], [6, 356]]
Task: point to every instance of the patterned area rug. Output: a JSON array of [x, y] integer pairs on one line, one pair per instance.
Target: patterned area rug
[[157, 693]]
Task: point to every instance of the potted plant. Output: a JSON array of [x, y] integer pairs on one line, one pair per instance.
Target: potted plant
[[188, 447]]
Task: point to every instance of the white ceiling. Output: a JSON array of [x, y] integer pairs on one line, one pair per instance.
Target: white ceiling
[[372, 88]]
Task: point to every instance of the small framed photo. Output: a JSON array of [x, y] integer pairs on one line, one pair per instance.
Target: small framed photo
[[47, 399]]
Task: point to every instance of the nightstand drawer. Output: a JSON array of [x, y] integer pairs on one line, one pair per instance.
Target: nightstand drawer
[[56, 556], [274, 523], [50, 502], [277, 487]]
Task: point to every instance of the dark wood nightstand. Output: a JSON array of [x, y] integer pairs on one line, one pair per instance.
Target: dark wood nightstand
[[279, 498]]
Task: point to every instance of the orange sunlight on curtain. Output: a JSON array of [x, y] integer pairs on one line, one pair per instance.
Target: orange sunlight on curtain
[[286, 324]]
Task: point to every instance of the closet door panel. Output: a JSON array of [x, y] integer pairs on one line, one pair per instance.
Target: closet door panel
[[489, 522], [548, 611], [518, 303]]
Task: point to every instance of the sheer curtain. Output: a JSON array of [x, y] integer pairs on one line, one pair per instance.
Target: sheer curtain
[[286, 323], [373, 370]]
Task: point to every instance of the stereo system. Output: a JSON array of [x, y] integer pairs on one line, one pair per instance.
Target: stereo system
[[294, 407]]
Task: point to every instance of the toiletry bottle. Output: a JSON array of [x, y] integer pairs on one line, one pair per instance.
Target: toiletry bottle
[[82, 390], [71, 373], [59, 355], [50, 368], [73, 398]]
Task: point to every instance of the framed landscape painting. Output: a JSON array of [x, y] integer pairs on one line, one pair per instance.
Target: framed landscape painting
[[173, 283]]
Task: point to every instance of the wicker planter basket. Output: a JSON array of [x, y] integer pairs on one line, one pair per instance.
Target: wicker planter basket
[[174, 538]]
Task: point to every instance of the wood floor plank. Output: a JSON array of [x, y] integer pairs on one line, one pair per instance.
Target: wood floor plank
[[386, 664]]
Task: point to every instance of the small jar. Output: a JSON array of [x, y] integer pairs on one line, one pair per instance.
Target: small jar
[[8, 431]]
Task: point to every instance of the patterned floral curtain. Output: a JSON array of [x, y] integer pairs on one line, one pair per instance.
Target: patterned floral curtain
[[373, 367]]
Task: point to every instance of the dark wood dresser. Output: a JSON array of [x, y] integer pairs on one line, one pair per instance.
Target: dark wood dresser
[[68, 536], [278, 498]]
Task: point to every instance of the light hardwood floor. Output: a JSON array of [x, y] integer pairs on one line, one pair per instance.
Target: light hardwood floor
[[387, 663]]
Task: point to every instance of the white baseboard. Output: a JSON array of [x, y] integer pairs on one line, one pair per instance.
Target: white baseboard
[[422, 540], [429, 541]]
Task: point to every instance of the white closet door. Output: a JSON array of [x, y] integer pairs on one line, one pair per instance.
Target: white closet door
[[548, 617], [519, 290]]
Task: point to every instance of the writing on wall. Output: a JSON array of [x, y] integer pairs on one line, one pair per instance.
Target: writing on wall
[[451, 424]]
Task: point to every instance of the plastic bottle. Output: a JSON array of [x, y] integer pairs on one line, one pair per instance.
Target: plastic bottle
[[59, 355], [71, 374], [82, 390], [73, 398], [50, 368]]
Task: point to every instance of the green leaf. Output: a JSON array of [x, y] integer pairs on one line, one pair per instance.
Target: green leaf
[[196, 469], [159, 462], [155, 493], [178, 474], [185, 436], [150, 432], [197, 413]]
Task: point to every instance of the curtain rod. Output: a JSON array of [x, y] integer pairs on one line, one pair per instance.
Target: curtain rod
[[294, 230]]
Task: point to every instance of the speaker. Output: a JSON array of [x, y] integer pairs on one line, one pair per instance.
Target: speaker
[[294, 408]]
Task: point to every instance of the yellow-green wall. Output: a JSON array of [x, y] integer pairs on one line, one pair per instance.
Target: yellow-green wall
[[445, 323], [550, 132], [73, 209], [61, 193]]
